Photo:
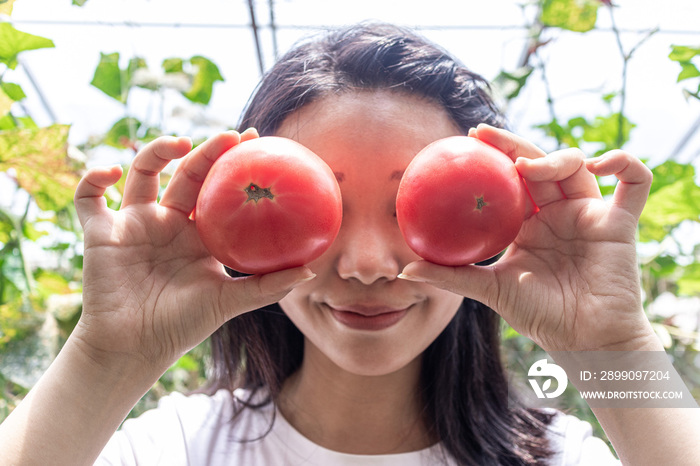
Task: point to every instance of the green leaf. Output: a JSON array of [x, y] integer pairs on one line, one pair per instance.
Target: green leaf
[[610, 96], [605, 189], [668, 206], [5, 103], [7, 121], [50, 283], [508, 333], [13, 274], [689, 282], [6, 7], [688, 70], [151, 134], [31, 233], [173, 65], [12, 42], [122, 134], [79, 2], [573, 15], [562, 133], [511, 83], [11, 122], [186, 362], [670, 172], [125, 132], [39, 157], [7, 227], [13, 91], [111, 79], [683, 53], [662, 266], [108, 76], [606, 130], [206, 74]]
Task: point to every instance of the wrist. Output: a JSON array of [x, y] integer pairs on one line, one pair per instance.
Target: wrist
[[74, 409], [645, 339], [116, 374]]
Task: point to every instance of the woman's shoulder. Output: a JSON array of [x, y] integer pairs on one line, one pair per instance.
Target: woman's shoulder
[[188, 429], [573, 441]]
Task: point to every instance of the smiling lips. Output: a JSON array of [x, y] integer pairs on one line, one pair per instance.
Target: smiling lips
[[368, 317]]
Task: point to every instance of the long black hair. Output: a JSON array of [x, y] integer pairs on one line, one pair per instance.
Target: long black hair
[[464, 386]]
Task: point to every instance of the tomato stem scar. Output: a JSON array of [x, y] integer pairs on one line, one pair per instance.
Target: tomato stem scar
[[255, 193], [480, 203]]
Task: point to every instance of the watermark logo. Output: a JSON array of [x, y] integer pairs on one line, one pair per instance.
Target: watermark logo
[[543, 368]]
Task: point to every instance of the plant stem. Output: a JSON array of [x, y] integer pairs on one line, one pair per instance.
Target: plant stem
[[550, 99], [623, 87], [626, 56]]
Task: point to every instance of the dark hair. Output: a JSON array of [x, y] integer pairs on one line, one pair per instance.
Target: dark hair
[[463, 382]]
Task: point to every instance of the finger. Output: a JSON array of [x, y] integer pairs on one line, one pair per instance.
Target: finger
[[558, 175], [89, 195], [250, 133], [473, 282], [183, 188], [634, 179], [143, 178], [516, 147], [510, 144], [245, 294]]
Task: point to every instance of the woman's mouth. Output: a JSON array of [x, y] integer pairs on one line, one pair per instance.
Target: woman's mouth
[[371, 318]]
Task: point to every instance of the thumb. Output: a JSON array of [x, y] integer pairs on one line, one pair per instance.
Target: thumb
[[89, 193], [244, 294], [471, 281]]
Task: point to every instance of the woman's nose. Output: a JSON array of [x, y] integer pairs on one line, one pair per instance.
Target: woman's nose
[[368, 251]]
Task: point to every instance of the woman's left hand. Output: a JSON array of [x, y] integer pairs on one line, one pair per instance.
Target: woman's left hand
[[570, 279]]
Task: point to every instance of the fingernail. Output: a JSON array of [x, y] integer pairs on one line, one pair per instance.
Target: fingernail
[[411, 278], [304, 279]]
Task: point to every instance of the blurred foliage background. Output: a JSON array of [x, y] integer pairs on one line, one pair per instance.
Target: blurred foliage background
[[41, 303]]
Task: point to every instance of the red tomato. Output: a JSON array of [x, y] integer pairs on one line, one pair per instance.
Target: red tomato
[[460, 201], [268, 204]]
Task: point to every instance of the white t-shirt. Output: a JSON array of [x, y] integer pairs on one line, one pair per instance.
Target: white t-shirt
[[197, 430]]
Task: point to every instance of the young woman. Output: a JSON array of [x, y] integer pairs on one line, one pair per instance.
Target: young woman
[[303, 372]]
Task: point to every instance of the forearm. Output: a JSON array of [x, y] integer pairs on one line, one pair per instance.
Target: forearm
[[73, 410], [652, 436], [674, 425]]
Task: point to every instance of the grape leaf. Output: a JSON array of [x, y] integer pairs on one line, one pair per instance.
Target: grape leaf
[[668, 206], [39, 159], [6, 7], [13, 91], [108, 76], [573, 15], [207, 73], [12, 42]]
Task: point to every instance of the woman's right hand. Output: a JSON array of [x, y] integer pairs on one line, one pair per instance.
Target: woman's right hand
[[151, 291]]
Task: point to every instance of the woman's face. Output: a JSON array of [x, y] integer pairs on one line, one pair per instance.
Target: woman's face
[[356, 314]]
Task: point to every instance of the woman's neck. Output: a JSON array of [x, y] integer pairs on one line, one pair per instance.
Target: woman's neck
[[355, 414]]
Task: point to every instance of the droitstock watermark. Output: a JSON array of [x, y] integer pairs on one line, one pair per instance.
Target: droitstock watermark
[[603, 379]]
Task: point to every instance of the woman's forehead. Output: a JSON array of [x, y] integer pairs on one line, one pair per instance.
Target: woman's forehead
[[379, 118]]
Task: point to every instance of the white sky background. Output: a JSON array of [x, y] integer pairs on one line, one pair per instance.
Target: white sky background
[[579, 66]]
